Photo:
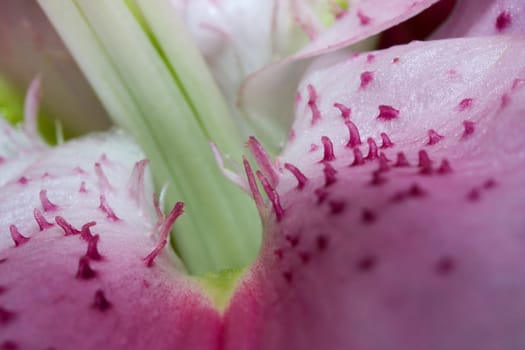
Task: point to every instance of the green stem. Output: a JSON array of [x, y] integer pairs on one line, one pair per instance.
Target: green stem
[[154, 84]]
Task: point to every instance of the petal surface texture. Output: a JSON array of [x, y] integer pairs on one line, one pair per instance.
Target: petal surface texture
[[485, 17], [268, 112], [238, 38], [409, 234], [76, 223]]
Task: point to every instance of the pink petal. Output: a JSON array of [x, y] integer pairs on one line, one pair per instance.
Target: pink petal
[[484, 17], [424, 255], [270, 113]]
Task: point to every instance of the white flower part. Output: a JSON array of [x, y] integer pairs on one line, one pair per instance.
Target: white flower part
[[30, 46], [88, 179], [235, 37], [238, 38]]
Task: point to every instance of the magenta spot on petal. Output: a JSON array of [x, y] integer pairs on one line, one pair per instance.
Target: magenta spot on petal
[[368, 216], [354, 139], [103, 181], [41, 221], [474, 195], [252, 184], [273, 195], [398, 197], [92, 250], [517, 84], [79, 170], [321, 242], [366, 79], [489, 184], [312, 103], [401, 160], [425, 164], [377, 178], [468, 128], [104, 206], [279, 253], [453, 73], [372, 149], [328, 147], [321, 194], [293, 240], [100, 302], [415, 191], [503, 21], [47, 205], [387, 113], [305, 257], [329, 175], [300, 177], [505, 100], [345, 111], [23, 180], [166, 224], [68, 229], [383, 163], [263, 159], [85, 272], [370, 58], [313, 148], [85, 231], [17, 237], [444, 168], [445, 266], [82, 188], [433, 137], [387, 143], [6, 316], [465, 104], [336, 207], [395, 60], [9, 345], [363, 19], [338, 11], [104, 158], [367, 263], [288, 276], [358, 158]]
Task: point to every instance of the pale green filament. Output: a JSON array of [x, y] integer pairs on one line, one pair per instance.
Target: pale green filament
[[155, 84]]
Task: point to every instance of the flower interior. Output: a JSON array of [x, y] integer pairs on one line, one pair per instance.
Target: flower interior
[[332, 199]]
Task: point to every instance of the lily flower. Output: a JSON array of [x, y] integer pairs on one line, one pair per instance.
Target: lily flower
[[389, 188]]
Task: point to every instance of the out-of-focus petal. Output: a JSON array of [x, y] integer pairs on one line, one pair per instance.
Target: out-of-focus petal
[[29, 46]]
